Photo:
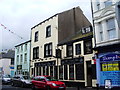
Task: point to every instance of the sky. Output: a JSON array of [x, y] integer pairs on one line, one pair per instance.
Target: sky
[[17, 17]]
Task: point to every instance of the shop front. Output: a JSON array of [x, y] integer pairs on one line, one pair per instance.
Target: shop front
[[108, 69]]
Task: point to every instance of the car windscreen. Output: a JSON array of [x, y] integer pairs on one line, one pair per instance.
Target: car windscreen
[[26, 77], [51, 79], [6, 76]]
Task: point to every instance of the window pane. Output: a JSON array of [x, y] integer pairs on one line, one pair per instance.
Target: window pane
[[36, 36], [51, 70], [69, 50], [65, 72], [79, 71], [71, 72], [60, 72], [112, 34], [48, 31], [111, 28], [78, 49], [108, 3], [110, 24]]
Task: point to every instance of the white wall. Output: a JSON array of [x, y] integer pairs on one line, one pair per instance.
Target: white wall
[[5, 63]]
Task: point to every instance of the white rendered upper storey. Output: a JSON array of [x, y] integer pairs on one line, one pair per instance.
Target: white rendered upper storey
[[106, 26]]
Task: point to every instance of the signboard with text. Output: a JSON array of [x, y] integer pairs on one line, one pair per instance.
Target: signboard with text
[[110, 69]]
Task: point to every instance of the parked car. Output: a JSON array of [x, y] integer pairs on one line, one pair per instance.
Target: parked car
[[21, 80], [47, 83], [6, 79]]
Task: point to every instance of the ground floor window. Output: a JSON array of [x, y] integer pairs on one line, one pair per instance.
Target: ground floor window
[[43, 70], [51, 70], [71, 72], [47, 70], [60, 72], [65, 72], [79, 71]]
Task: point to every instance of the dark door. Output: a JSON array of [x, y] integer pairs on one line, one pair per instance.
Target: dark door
[[89, 73]]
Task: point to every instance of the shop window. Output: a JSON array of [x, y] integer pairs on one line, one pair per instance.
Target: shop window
[[34, 71], [43, 70], [60, 72], [47, 70], [88, 46], [79, 71], [78, 49], [36, 53], [71, 72], [48, 50], [51, 70], [65, 72], [55, 72], [37, 70], [69, 50]]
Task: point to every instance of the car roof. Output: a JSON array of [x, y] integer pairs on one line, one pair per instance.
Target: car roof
[[43, 76]]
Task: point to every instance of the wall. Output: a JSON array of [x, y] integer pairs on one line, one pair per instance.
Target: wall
[[5, 63]]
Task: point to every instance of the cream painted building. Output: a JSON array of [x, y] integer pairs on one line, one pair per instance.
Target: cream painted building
[[49, 41]]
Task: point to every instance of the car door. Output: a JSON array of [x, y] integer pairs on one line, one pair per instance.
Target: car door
[[42, 82]]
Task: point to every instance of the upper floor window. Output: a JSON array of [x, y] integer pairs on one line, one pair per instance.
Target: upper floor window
[[86, 30], [17, 49], [17, 59], [12, 61], [78, 49], [36, 53], [26, 47], [111, 28], [88, 46], [48, 31], [48, 50], [108, 3], [21, 48], [21, 59], [36, 36], [25, 60], [98, 4], [100, 31], [70, 50]]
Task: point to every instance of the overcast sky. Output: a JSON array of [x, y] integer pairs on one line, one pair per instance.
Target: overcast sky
[[19, 16]]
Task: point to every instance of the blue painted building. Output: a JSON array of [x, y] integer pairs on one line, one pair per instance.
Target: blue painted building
[[22, 58], [107, 42]]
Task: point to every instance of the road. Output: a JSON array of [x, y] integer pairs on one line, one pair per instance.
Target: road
[[9, 87]]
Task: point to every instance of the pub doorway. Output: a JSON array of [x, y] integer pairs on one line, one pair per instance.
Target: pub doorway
[[89, 73]]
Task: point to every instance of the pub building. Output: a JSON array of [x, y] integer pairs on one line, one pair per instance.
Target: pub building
[[61, 46]]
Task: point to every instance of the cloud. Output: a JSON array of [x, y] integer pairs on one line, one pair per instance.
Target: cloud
[[21, 15]]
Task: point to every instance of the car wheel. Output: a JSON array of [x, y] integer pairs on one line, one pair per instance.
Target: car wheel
[[33, 87], [22, 85], [12, 83], [48, 88]]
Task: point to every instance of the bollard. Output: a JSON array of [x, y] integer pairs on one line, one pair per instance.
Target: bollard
[[97, 86]]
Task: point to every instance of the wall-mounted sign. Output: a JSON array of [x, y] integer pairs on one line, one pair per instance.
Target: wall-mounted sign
[[19, 67], [110, 57], [110, 69]]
